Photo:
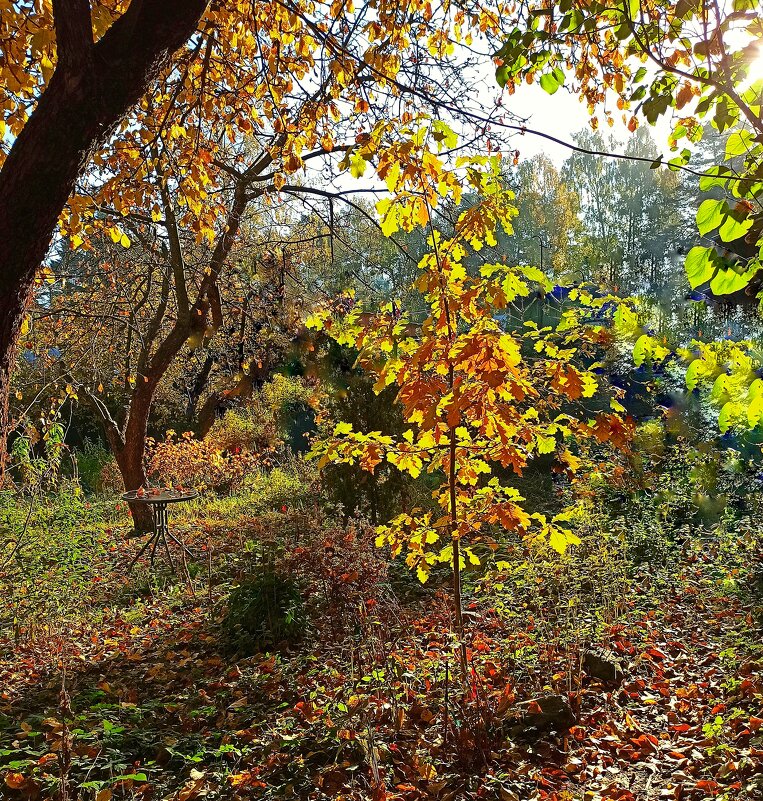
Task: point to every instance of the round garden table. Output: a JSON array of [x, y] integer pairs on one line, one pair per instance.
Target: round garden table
[[158, 500]]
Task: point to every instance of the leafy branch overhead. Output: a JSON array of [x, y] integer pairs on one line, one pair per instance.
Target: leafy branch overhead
[[693, 60]]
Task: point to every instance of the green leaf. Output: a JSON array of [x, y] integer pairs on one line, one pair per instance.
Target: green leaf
[[719, 391], [680, 160], [545, 444], [738, 144], [357, 164], [574, 19], [443, 133], [755, 390], [638, 94], [734, 227], [549, 83], [560, 538], [728, 416], [699, 265], [315, 321], [626, 321], [710, 215], [715, 176], [642, 349], [755, 412], [728, 280], [697, 371]]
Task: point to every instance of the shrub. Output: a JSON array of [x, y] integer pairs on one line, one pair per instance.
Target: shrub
[[36, 456], [290, 402], [387, 491], [344, 576], [238, 431], [265, 611], [679, 500], [275, 488], [110, 478], [266, 420], [51, 555], [189, 462]]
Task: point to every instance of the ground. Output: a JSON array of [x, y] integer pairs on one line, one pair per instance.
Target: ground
[[147, 700]]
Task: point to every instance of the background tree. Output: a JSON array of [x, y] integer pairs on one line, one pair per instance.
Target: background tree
[[547, 227], [632, 216], [346, 249], [120, 320], [69, 76]]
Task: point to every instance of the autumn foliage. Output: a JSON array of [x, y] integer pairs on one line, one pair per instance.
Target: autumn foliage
[[482, 400]]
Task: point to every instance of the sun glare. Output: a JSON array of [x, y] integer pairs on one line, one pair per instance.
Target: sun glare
[[756, 66]]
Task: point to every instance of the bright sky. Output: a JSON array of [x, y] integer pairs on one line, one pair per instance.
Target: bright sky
[[561, 115]]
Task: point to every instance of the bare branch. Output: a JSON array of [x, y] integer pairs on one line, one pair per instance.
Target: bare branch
[[309, 190]]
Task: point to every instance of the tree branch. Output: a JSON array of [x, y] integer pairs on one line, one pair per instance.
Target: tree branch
[[290, 189], [725, 86], [176, 254], [74, 33], [112, 430]]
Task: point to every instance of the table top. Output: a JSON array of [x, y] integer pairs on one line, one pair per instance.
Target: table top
[[159, 495]]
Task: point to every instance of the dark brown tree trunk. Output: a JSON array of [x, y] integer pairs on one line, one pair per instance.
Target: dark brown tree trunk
[[208, 414], [128, 452], [92, 88]]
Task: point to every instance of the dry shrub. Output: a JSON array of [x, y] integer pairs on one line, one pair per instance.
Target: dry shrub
[[345, 579]]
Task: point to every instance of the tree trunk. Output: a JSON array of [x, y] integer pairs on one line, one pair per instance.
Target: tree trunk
[[91, 89], [12, 305], [128, 452], [133, 449], [130, 461], [456, 544], [198, 387]]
